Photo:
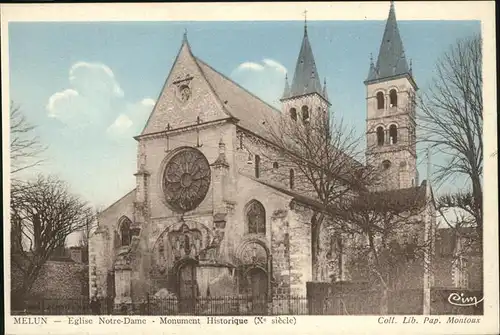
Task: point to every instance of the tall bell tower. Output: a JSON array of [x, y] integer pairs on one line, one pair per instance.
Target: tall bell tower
[[390, 106], [305, 99]]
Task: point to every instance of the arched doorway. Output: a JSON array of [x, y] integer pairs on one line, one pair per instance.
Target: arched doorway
[[187, 287], [258, 289]]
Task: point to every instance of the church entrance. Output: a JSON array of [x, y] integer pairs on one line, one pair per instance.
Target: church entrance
[[188, 288], [258, 281]]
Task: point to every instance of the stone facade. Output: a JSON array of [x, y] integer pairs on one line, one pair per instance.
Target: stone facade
[[215, 238]]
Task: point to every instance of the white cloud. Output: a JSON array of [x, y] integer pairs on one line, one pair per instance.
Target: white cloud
[[92, 98], [120, 126], [249, 66], [148, 102], [131, 122], [276, 65], [266, 79], [59, 100], [95, 98], [94, 79]]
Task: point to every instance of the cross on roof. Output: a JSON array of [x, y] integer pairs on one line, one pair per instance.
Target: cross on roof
[[305, 17]]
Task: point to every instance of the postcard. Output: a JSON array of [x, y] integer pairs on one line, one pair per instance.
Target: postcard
[[257, 167]]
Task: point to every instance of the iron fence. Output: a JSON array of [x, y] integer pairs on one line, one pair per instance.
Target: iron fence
[[222, 306]]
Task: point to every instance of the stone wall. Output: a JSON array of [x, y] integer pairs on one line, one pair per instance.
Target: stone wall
[[61, 280]]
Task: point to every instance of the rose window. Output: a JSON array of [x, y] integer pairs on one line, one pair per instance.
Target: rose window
[[186, 180]]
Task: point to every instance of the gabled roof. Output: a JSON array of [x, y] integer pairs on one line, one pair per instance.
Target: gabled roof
[[306, 78], [248, 109], [391, 60]]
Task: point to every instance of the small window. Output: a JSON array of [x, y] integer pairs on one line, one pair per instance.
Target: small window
[[393, 134], [393, 96], [292, 176], [293, 114], [380, 136], [305, 114], [386, 164], [380, 100], [257, 166], [275, 165]]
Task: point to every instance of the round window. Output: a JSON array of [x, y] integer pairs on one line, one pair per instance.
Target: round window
[[186, 179]]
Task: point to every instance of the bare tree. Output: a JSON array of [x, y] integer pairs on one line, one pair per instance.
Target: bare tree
[[315, 157], [388, 243], [25, 146], [43, 213], [451, 119]]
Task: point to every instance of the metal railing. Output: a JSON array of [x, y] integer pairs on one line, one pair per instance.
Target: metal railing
[[228, 305]]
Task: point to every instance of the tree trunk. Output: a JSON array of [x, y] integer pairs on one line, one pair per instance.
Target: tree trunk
[[384, 301], [316, 221]]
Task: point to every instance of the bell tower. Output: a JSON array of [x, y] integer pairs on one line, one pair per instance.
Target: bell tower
[[305, 99], [390, 105]]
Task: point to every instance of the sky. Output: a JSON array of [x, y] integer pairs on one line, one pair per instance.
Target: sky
[[89, 87]]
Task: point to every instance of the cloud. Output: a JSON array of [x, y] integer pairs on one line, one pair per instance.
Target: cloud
[[132, 121], [265, 79], [276, 65], [249, 66], [94, 79], [93, 97], [120, 126]]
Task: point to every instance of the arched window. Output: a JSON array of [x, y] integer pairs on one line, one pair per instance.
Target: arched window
[[125, 232], [293, 114], [393, 134], [393, 97], [380, 100], [305, 114], [257, 166], [275, 165], [292, 176], [380, 135], [256, 218]]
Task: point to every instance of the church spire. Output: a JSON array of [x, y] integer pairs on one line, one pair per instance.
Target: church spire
[[305, 79], [391, 59], [325, 93], [286, 91]]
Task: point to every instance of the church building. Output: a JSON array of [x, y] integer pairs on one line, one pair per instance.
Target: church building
[[208, 217]]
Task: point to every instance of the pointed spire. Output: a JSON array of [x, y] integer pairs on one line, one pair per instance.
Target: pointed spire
[[325, 93], [221, 160], [286, 91], [372, 72], [305, 79], [305, 21], [185, 36], [391, 58]]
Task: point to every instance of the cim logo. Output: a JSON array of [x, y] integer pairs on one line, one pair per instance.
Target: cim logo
[[461, 300]]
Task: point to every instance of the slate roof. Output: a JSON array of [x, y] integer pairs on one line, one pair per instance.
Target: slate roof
[[296, 196], [391, 58], [305, 78], [401, 199], [250, 110]]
